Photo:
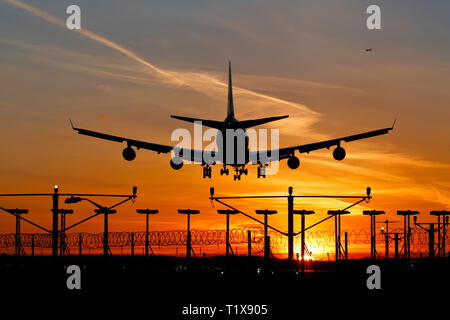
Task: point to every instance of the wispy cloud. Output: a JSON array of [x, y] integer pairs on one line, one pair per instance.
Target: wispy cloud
[[199, 81]]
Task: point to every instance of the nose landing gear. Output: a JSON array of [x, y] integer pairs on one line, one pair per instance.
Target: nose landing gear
[[238, 172]]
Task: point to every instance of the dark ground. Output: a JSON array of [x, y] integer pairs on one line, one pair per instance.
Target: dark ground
[[160, 287]]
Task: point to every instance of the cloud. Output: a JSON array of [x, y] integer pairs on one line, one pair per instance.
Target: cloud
[[199, 81]]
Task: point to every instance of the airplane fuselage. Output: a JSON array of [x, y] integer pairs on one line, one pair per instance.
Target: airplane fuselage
[[233, 143]]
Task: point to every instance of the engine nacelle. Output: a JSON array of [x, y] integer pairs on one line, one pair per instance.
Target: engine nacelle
[[129, 154], [293, 162], [339, 153], [176, 166]]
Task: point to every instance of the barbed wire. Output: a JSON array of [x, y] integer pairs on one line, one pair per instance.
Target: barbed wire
[[314, 239]]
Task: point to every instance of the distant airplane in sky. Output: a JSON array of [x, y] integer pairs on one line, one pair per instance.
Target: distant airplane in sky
[[251, 157], [368, 49]]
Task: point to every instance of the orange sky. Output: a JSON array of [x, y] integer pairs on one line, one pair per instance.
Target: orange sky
[[315, 70]]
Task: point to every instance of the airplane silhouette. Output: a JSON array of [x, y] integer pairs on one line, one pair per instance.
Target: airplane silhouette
[[230, 122]]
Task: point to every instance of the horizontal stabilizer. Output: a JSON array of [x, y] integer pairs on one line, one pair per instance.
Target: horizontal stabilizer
[[206, 123], [251, 123]]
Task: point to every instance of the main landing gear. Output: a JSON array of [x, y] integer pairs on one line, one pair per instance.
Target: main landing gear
[[238, 172], [224, 171], [261, 171], [207, 171]]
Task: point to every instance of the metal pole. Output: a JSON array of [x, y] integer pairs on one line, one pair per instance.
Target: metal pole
[[290, 229], [17, 237], [249, 241], [80, 243], [266, 244], [439, 236], [55, 198], [371, 238], [339, 236], [409, 239], [336, 238], [266, 253], [188, 239], [63, 232], [146, 236], [227, 251], [64, 235], [443, 235], [105, 236], [61, 235], [396, 245], [132, 243], [387, 239], [346, 246], [32, 245], [302, 263], [405, 238], [249, 248], [431, 241], [386, 246], [374, 254]]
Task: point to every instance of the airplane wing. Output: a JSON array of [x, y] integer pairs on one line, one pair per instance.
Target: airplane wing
[[195, 155], [285, 153], [131, 142]]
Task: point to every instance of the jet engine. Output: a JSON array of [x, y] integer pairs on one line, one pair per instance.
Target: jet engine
[[293, 162], [129, 154], [339, 153], [176, 166]]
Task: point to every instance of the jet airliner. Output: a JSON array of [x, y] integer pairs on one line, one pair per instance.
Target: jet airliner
[[230, 122]]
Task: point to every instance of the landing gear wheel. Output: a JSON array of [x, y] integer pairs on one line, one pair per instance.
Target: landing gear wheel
[[237, 174], [261, 172], [207, 172]]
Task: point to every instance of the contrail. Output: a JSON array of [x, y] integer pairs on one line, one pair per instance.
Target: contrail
[[93, 36], [170, 76]]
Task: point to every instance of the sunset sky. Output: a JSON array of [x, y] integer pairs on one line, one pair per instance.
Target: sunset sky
[[135, 63]]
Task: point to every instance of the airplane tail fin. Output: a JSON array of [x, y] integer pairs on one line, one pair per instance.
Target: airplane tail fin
[[230, 121], [230, 109]]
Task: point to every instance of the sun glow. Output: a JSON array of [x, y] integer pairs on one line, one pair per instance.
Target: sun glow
[[308, 257]]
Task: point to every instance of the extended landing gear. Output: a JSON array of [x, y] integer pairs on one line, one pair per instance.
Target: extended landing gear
[[238, 172], [261, 172], [207, 171], [224, 171]]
